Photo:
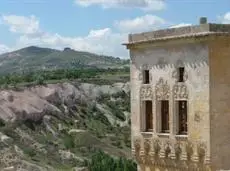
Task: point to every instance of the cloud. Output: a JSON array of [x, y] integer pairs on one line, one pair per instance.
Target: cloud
[[101, 41], [225, 19], [139, 24], [21, 24], [4, 48], [147, 5], [181, 25]]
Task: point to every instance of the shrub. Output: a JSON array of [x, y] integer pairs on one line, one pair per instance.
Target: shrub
[[103, 162]]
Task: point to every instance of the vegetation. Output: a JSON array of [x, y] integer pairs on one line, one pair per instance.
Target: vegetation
[[41, 77], [104, 162], [42, 147]]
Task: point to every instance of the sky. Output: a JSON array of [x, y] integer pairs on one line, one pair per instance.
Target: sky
[[98, 26]]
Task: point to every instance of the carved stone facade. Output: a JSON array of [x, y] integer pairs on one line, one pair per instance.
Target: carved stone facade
[[180, 91], [146, 92], [162, 90], [153, 154], [202, 93]]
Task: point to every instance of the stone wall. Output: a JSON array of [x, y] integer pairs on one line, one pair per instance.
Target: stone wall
[[162, 63], [219, 102]]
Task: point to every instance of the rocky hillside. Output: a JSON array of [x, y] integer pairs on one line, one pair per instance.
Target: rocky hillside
[[36, 58], [59, 126]]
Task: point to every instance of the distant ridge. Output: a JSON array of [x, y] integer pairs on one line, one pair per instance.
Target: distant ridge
[[38, 58]]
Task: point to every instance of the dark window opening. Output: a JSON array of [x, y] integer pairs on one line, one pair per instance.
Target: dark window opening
[[146, 76], [165, 116], [148, 115], [181, 74], [182, 109]]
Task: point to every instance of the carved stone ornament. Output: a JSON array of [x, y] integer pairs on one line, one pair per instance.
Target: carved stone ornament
[[201, 149], [146, 92], [156, 147], [167, 149], [146, 156], [162, 90], [178, 151], [180, 91], [189, 150], [147, 146]]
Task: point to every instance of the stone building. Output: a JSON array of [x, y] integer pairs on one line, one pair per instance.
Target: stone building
[[180, 98]]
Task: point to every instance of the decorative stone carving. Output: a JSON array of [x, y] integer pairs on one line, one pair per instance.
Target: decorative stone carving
[[167, 149], [189, 150], [178, 151], [146, 155], [201, 148], [156, 147], [147, 146], [146, 92], [162, 90], [180, 91]]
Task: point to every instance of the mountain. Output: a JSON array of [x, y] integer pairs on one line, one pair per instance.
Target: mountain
[[37, 58]]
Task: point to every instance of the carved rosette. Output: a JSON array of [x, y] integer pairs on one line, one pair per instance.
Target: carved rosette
[[180, 91], [162, 90], [146, 92]]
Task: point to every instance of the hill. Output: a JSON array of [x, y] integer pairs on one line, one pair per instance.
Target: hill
[[60, 126], [37, 58]]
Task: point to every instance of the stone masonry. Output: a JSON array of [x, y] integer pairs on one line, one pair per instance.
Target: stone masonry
[[204, 53]]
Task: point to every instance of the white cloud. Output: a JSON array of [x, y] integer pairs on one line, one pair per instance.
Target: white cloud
[[147, 5], [139, 24], [181, 25], [102, 41], [21, 24], [225, 19], [4, 48]]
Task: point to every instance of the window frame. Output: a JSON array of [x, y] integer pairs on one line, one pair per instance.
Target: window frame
[[162, 130], [147, 126], [181, 73], [145, 73], [177, 117]]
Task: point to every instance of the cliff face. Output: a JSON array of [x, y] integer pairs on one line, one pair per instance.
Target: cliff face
[[58, 126]]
